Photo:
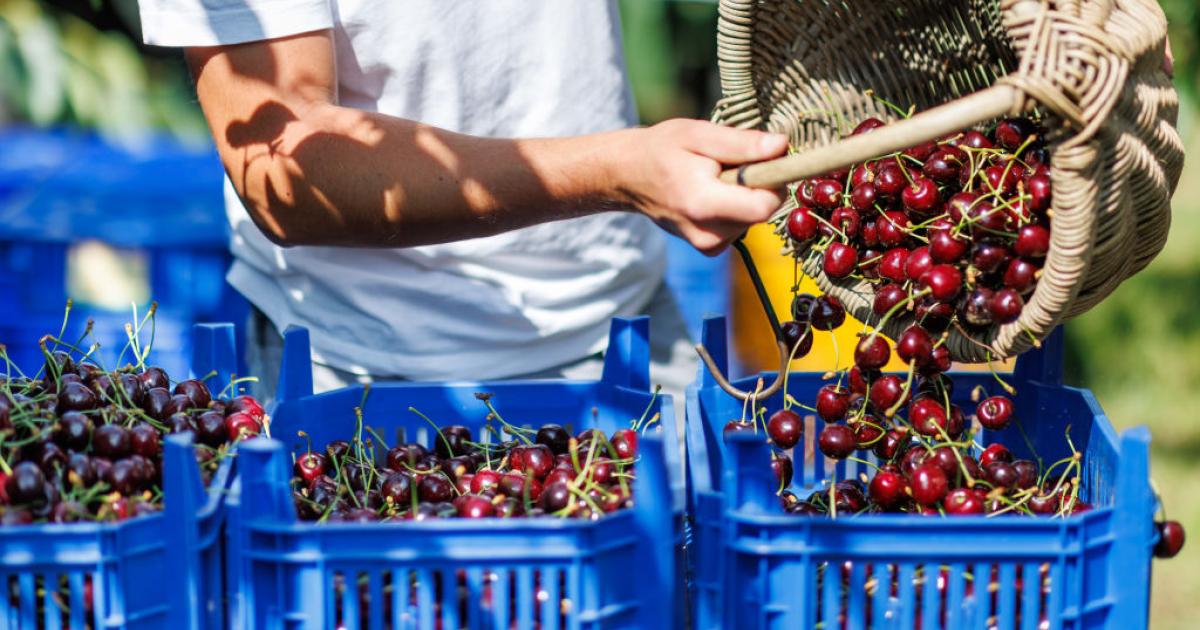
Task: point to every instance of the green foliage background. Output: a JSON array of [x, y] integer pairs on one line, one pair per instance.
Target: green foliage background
[[72, 62]]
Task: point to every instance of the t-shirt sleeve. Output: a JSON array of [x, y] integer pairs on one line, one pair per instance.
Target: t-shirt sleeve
[[220, 22]]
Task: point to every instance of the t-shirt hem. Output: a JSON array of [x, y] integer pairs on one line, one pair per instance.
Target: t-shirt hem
[[263, 21]]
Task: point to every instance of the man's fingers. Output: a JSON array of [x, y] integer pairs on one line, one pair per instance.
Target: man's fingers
[[727, 202], [734, 146]]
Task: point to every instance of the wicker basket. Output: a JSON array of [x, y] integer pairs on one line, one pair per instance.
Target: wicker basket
[[1093, 69]]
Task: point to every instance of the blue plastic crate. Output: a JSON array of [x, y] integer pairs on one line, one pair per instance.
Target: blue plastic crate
[[161, 202], [753, 566], [620, 571], [156, 571]]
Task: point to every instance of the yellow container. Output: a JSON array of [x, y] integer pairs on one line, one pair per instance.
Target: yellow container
[[754, 344]]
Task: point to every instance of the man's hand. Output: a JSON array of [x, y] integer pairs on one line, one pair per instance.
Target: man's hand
[[669, 173]]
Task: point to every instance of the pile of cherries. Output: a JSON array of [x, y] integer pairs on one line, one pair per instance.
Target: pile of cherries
[[954, 230], [543, 472], [80, 443]]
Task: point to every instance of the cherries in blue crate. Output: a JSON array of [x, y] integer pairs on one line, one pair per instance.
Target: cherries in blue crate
[[510, 472], [80, 442], [947, 235]]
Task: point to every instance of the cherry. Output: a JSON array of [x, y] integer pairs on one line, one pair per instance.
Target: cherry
[[928, 417], [995, 453], [537, 460], [872, 352], [74, 430], [555, 497], [1033, 241], [862, 197], [1011, 133], [994, 413], [1002, 475], [887, 297], [921, 197], [737, 426], [797, 337], [921, 152], [870, 263], [144, 440], [891, 265], [602, 471], [475, 507], [840, 260], [155, 403], [833, 402], [867, 126], [893, 443], [112, 441], [802, 306], [887, 490], [559, 475], [210, 429], [886, 392], [76, 397], [868, 233], [1021, 275], [928, 484], [625, 442], [781, 465], [122, 477], [435, 487], [859, 379], [404, 456], [976, 140], [945, 248], [803, 225], [988, 219], [78, 473], [453, 441], [962, 502], [889, 180], [942, 166], [249, 406], [989, 257], [555, 438], [893, 228], [240, 425], [914, 345], [920, 261], [976, 307], [845, 219], [196, 391], [943, 281], [1038, 187], [867, 432], [309, 466], [154, 377], [827, 313], [785, 428], [836, 441], [1002, 179], [1170, 539], [485, 480], [516, 485], [1043, 503], [959, 205], [827, 193], [1027, 473]]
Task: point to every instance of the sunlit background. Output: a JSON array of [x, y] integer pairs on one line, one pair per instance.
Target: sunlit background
[[77, 65]]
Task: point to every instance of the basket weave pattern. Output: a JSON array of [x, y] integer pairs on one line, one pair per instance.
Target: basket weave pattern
[[1093, 69]]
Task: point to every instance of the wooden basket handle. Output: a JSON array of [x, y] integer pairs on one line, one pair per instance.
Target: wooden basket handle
[[938, 122]]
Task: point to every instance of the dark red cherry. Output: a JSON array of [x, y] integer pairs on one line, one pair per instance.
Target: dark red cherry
[[836, 441], [962, 502], [921, 197], [1011, 133], [995, 453], [827, 193], [929, 485], [1033, 241], [886, 392], [944, 247], [928, 417], [976, 307], [196, 391], [867, 126], [840, 260], [891, 266], [959, 205], [976, 140], [827, 313], [1170, 539], [893, 227], [919, 262], [1006, 306], [887, 490], [887, 297], [994, 413], [1038, 187], [990, 257], [847, 220], [112, 441], [797, 337], [1021, 275], [785, 428], [833, 402], [914, 345], [890, 180], [862, 198], [872, 352], [803, 225], [942, 167], [944, 282]]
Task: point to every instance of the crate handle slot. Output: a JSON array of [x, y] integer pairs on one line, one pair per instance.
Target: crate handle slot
[[214, 349], [627, 361], [295, 367]]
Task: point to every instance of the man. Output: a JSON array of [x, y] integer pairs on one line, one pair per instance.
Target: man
[[450, 189]]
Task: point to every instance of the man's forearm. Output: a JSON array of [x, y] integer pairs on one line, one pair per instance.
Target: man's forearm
[[339, 176]]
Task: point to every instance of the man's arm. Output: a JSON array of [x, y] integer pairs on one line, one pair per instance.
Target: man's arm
[[314, 173]]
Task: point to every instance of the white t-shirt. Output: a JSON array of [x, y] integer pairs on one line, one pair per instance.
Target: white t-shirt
[[484, 308]]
